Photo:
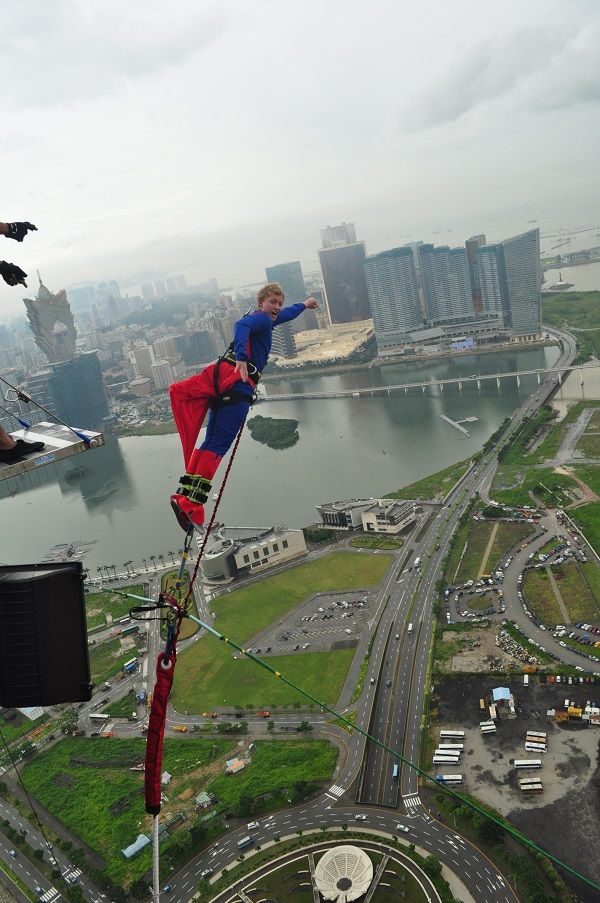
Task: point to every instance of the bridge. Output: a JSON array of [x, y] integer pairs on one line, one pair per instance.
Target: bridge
[[557, 374]]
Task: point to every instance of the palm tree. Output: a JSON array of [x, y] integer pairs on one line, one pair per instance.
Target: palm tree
[[145, 563], [99, 569], [153, 560], [162, 559], [126, 566], [172, 554]]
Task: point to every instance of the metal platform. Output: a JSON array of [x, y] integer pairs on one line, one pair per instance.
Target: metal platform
[[60, 441]]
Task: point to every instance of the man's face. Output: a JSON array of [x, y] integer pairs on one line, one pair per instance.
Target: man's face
[[271, 306]]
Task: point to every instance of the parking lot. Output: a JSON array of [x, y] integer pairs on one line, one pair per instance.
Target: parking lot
[[326, 621]]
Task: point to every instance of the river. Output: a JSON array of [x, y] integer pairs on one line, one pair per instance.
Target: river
[[348, 448]]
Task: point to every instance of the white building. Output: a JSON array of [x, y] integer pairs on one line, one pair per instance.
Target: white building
[[388, 516]]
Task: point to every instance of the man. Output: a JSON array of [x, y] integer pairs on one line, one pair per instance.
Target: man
[[227, 388], [11, 450]]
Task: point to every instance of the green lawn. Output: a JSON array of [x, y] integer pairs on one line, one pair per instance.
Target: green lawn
[[376, 542], [576, 593], [434, 486], [589, 446], [208, 675], [88, 785], [459, 539], [276, 766], [476, 544], [107, 659], [476, 535], [540, 598], [99, 605], [590, 475], [587, 519], [507, 535], [513, 483]]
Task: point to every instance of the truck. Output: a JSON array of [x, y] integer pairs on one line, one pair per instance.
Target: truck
[[410, 627], [264, 714], [182, 728], [417, 562]]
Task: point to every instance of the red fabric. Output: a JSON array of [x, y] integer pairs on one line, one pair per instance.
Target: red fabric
[[156, 730], [190, 400]]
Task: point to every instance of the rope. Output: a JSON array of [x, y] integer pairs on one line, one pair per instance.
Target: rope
[[23, 396]]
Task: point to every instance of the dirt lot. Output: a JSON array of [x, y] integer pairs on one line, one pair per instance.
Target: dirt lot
[[565, 818]]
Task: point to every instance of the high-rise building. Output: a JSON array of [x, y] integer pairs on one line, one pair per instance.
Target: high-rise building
[[344, 282], [491, 280], [78, 391], [196, 347], [509, 275], [290, 278], [163, 374], [165, 347], [446, 284], [524, 278], [344, 234], [284, 343], [471, 244], [143, 357], [51, 321], [394, 296]]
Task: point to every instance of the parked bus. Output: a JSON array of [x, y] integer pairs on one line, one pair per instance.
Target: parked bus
[[535, 747], [528, 763], [130, 666], [452, 735], [395, 771], [445, 760], [541, 734], [532, 788], [449, 778], [458, 746], [98, 717]]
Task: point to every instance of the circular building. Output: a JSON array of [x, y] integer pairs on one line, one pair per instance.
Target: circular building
[[343, 874]]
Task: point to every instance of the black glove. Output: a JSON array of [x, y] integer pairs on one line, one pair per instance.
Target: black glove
[[12, 274], [18, 231]]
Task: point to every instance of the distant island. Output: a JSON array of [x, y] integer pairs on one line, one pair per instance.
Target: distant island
[[272, 432]]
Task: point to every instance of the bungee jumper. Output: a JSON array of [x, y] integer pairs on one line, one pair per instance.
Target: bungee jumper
[[227, 388]]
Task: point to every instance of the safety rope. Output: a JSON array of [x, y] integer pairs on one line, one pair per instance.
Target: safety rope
[[27, 399]]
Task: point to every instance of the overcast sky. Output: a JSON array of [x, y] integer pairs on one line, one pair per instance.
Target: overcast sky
[[217, 138]]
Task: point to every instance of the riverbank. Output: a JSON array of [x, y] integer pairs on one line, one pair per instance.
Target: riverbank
[[380, 363]]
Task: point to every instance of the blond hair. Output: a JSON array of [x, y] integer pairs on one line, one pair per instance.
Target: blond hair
[[271, 288]]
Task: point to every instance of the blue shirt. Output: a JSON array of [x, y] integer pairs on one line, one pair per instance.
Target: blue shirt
[[253, 335]]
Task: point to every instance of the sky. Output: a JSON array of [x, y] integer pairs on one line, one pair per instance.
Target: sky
[[149, 138]]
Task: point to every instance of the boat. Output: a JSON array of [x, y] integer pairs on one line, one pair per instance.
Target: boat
[[561, 286]]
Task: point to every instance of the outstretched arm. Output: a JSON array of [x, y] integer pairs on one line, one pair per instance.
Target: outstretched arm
[[17, 231]]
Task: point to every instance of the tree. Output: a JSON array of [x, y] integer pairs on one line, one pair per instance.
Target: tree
[[270, 726], [145, 560], [139, 889], [490, 832], [304, 726], [432, 866]]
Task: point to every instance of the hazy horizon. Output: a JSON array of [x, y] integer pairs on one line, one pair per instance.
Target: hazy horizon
[[219, 138]]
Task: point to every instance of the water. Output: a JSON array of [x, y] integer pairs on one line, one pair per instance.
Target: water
[[348, 448]]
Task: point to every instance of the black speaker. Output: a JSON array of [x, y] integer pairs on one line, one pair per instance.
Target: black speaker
[[43, 639]]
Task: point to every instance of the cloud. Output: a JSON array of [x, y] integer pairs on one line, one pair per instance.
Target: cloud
[[512, 68], [68, 50]]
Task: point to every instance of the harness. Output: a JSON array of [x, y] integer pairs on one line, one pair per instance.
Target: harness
[[233, 396]]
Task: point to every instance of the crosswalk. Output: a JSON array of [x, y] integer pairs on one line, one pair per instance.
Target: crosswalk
[[412, 801], [49, 895], [335, 792]]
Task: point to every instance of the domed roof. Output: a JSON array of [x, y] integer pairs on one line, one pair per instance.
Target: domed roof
[[44, 294], [343, 873]]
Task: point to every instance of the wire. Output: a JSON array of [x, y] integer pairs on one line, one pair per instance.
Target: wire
[[23, 396]]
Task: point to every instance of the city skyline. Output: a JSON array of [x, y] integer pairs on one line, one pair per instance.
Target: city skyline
[[478, 130]]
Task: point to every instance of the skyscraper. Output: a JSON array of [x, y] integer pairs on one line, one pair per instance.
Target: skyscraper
[[523, 275], [394, 296], [52, 323], [471, 244], [446, 284], [78, 391], [345, 283], [344, 234], [509, 274]]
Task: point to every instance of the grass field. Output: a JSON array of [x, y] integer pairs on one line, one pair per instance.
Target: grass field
[[540, 598], [434, 486], [88, 785], [576, 593], [207, 673], [513, 483], [476, 535], [376, 542], [107, 659], [587, 519], [99, 605], [507, 535]]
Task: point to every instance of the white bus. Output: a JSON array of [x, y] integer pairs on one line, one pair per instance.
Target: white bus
[[535, 747], [445, 760], [528, 763], [395, 771], [541, 734], [532, 788], [449, 778], [452, 735], [98, 717], [459, 746]]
